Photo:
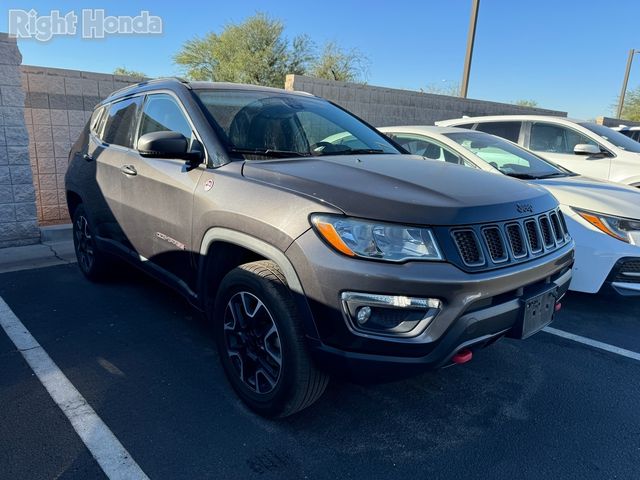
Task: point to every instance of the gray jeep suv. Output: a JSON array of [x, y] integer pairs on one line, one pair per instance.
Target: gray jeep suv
[[313, 243]]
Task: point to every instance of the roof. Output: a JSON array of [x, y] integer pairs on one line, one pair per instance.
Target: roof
[[173, 82], [422, 129], [493, 118]]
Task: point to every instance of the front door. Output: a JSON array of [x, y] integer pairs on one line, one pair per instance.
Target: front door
[[556, 143], [158, 193]]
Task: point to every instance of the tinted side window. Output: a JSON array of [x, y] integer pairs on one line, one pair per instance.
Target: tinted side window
[[121, 121], [508, 130], [468, 126], [162, 113], [546, 137]]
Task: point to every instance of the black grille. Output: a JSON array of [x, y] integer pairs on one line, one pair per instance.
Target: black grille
[[488, 246], [495, 244], [564, 223], [545, 228], [557, 227], [533, 236], [469, 247], [518, 247], [628, 272]]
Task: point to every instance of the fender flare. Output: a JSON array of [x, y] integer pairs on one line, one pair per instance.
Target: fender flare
[[269, 252], [255, 245]]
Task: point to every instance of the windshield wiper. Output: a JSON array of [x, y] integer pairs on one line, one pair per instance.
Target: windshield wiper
[[268, 152], [554, 174], [356, 151], [522, 176]]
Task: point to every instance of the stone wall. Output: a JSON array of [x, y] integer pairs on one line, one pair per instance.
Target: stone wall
[[389, 106], [18, 222], [58, 104]]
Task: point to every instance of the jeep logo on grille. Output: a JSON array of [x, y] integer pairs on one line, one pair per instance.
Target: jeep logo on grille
[[524, 207]]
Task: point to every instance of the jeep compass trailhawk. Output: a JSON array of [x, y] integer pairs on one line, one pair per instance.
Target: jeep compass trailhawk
[[313, 243]]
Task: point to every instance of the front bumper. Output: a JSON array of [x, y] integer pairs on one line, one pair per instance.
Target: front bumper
[[477, 307], [625, 276]]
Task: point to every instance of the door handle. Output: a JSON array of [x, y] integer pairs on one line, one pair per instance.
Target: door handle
[[129, 170], [88, 157]]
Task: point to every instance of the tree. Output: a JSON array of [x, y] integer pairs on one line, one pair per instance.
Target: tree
[[254, 51], [128, 73], [526, 103], [336, 63], [631, 107]]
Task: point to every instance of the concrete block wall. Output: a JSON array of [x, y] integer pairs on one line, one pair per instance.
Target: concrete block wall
[[389, 106], [18, 221], [58, 103], [616, 122]]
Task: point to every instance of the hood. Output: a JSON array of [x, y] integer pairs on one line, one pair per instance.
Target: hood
[[404, 188], [596, 195]]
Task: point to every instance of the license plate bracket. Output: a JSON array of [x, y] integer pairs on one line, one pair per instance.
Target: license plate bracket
[[537, 312]]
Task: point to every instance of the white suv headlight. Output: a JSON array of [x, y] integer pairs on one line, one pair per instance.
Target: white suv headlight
[[624, 229], [375, 240]]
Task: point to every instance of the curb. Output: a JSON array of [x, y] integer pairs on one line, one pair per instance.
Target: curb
[[56, 233]]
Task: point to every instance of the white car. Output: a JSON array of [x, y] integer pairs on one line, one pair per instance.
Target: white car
[[582, 147], [603, 217], [631, 132]]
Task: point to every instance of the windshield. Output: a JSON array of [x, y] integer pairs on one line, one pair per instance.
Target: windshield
[[507, 157], [617, 138], [267, 124]]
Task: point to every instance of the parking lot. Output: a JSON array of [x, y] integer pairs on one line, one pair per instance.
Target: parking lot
[[141, 357]]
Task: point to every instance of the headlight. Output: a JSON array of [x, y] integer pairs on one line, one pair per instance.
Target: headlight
[[625, 229], [381, 241]]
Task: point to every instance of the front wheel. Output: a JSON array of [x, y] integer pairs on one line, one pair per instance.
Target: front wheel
[[261, 343]]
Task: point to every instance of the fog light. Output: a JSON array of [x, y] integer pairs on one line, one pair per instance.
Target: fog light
[[389, 315], [364, 313]]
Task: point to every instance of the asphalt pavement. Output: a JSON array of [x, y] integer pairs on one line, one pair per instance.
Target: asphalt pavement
[[546, 407]]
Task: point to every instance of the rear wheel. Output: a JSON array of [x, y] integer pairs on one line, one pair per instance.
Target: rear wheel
[[92, 262], [261, 343]]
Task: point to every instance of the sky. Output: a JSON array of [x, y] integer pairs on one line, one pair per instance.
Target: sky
[[567, 55]]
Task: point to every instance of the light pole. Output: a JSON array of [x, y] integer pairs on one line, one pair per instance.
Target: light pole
[[470, 40], [632, 52]]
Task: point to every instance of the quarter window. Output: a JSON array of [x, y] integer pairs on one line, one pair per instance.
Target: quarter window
[[546, 137], [121, 121], [161, 114], [96, 116], [508, 130]]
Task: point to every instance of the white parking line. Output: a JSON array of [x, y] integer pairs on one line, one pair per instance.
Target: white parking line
[[112, 457], [593, 343]]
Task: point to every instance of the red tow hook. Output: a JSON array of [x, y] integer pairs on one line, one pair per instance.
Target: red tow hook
[[463, 356], [558, 306]]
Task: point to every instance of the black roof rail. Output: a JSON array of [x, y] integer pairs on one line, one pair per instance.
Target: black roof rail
[[150, 82]]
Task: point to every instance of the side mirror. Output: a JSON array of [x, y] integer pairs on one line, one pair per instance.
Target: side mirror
[[586, 149], [169, 145]]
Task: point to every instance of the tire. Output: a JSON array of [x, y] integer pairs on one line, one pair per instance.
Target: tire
[[93, 263], [255, 323]]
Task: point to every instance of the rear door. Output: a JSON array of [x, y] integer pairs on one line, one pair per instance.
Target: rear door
[[158, 192], [109, 147], [557, 142]]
